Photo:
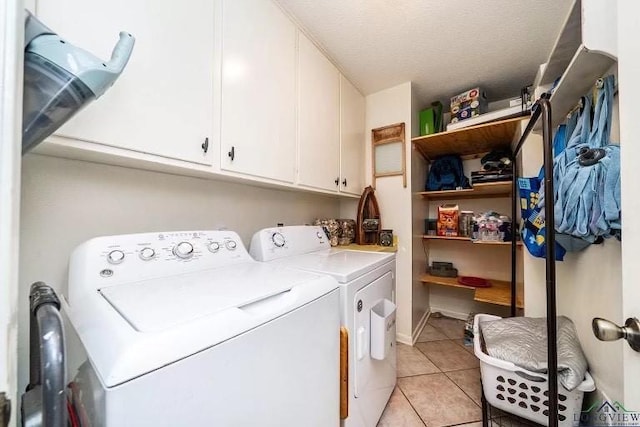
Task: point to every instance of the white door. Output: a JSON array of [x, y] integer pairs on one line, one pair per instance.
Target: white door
[[352, 112], [258, 90], [318, 118], [163, 102], [629, 85], [11, 40]]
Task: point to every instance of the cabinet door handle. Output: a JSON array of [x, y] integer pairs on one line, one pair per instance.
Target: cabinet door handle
[[205, 145], [232, 153], [337, 181], [344, 182]]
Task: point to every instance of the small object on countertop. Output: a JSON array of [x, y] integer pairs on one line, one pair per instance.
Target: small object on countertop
[[386, 237], [370, 224], [347, 231], [476, 282], [368, 210]]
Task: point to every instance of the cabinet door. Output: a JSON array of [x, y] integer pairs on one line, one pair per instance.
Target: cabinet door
[[258, 90], [318, 118], [163, 102], [352, 111]]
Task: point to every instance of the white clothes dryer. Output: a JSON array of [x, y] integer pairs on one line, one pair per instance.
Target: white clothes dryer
[[367, 309], [185, 329]]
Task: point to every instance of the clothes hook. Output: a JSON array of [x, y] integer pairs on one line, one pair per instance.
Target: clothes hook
[[600, 83]]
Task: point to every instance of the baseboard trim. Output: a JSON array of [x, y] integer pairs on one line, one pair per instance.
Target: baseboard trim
[[403, 339], [449, 313], [419, 327]]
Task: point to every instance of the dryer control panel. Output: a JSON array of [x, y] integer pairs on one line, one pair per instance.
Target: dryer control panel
[[279, 242], [109, 260]]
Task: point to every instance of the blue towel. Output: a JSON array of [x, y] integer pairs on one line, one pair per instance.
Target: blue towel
[[587, 199]]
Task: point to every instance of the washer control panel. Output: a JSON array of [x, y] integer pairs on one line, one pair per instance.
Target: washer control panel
[[273, 243], [133, 257]]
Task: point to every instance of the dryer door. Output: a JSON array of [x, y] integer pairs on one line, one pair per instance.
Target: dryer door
[[374, 379]]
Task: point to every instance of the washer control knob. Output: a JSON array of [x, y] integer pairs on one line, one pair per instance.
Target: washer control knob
[[278, 239], [231, 245], [115, 257], [213, 247], [183, 250], [147, 253]]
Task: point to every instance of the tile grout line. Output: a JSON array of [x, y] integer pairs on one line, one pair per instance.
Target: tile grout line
[[422, 375], [455, 370], [463, 392], [453, 381], [411, 404], [453, 342], [461, 389]]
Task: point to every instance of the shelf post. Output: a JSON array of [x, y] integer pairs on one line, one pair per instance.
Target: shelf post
[[543, 107]]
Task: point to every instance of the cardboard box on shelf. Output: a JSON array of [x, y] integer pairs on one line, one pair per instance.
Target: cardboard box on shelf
[[468, 104]]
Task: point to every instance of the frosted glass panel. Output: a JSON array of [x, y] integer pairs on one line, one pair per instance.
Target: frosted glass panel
[[388, 158]]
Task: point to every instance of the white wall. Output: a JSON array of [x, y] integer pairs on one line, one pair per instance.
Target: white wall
[[629, 69], [11, 48], [65, 202], [420, 292], [384, 108]]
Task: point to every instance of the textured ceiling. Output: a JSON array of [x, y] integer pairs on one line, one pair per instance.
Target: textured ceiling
[[445, 47]]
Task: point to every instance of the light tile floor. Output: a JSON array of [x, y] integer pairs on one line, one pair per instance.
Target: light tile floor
[[438, 380]]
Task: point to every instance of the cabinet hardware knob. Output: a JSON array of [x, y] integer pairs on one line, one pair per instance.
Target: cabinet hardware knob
[[232, 153], [337, 181], [344, 182], [205, 145]]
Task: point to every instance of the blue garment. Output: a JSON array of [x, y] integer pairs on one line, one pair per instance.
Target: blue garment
[[587, 199]]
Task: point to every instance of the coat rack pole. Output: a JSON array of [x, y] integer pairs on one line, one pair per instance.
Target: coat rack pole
[[542, 107], [514, 216]]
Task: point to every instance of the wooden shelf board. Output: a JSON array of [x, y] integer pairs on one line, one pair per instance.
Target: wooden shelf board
[[444, 281], [430, 236], [499, 293], [486, 190], [468, 240], [469, 141], [518, 243]]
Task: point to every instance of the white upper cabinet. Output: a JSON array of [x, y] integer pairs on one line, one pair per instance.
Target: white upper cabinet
[[163, 102], [258, 90], [352, 140], [318, 118]]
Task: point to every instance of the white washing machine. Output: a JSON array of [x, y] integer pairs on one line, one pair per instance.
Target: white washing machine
[[367, 309], [185, 329]]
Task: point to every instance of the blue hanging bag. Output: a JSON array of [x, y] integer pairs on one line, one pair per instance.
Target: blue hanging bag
[[534, 235]]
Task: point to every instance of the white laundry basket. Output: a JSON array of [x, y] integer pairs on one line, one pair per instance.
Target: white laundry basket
[[524, 393]]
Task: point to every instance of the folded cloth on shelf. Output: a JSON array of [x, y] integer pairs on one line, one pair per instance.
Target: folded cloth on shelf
[[523, 342]]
